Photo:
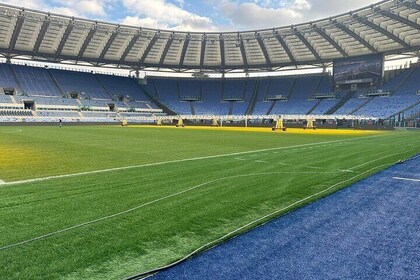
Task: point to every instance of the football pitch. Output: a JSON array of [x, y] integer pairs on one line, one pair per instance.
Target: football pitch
[[107, 202]]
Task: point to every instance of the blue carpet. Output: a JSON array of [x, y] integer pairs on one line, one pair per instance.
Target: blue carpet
[[370, 230]]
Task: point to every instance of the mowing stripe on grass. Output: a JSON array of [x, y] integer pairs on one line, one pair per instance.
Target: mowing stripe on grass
[[334, 171], [406, 179], [153, 202], [179, 160], [258, 222]]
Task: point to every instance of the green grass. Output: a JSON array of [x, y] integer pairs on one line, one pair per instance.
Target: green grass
[[230, 192]]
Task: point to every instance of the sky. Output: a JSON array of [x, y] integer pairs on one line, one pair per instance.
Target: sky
[[198, 15]]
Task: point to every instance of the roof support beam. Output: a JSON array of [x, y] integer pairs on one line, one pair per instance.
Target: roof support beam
[[88, 38], [243, 52], [41, 34], [324, 35], [203, 51], [149, 47], [347, 30], [184, 50], [307, 44], [285, 47], [222, 52], [166, 49], [16, 30], [263, 49], [108, 44], [128, 48], [66, 35], [381, 30], [398, 18]]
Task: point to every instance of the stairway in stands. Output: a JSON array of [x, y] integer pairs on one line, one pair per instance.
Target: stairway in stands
[[341, 103]]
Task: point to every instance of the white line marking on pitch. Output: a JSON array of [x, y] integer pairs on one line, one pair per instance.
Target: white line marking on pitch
[[240, 159], [406, 179], [15, 131], [152, 202], [262, 161], [365, 163], [2, 182], [282, 163], [179, 160]]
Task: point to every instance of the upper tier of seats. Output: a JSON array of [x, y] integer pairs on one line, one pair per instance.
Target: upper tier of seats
[[122, 86], [36, 81], [84, 83], [52, 87], [6, 77]]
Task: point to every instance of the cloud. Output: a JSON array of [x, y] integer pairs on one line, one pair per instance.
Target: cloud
[[227, 15], [301, 5], [254, 14], [251, 15], [326, 8], [79, 8], [165, 15]]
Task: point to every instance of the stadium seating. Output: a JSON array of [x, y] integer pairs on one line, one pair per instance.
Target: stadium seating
[[240, 108], [52, 101], [324, 106], [167, 93], [202, 96], [16, 113], [261, 106], [36, 81], [89, 114], [58, 114], [211, 99], [6, 77], [83, 83], [122, 86], [5, 98], [405, 86]]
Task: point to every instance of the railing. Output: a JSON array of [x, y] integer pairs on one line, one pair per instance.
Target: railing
[[233, 98], [191, 98], [276, 98], [373, 93], [317, 96]]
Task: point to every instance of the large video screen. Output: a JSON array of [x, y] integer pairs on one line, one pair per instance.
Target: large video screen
[[358, 70]]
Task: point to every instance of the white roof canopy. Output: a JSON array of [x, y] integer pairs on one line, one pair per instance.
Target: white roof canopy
[[390, 26]]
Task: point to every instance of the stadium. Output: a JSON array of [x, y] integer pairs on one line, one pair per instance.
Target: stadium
[[287, 152]]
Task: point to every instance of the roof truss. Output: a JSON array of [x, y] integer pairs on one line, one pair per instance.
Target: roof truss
[[307, 44], [381, 30], [347, 30], [389, 26]]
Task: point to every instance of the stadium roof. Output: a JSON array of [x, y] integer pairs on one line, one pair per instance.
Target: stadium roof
[[388, 27]]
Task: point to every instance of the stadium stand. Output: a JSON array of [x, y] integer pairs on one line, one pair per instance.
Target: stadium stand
[[7, 79], [211, 103], [16, 113], [166, 91], [285, 95], [261, 105], [118, 86], [5, 99], [83, 83], [36, 81], [58, 114], [405, 87]]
